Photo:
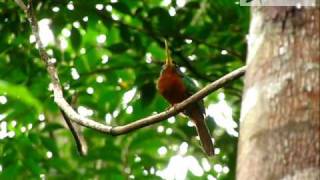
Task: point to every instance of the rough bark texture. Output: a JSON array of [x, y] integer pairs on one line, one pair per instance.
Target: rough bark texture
[[280, 125]]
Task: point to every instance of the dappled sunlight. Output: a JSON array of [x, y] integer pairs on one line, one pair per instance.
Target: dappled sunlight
[[162, 151], [66, 32], [3, 130], [108, 118], [190, 124], [222, 115], [166, 2], [188, 41], [129, 110], [90, 90], [23, 129], [169, 131], [74, 73], [148, 57], [8, 130], [99, 7], [115, 113], [2, 116], [205, 164], [101, 38], [172, 11], [180, 164], [3, 100], [192, 57], [100, 79], [63, 43], [55, 9], [76, 24], [49, 154], [128, 96], [84, 111], [109, 8], [70, 6], [45, 33], [181, 3], [83, 50], [160, 129], [172, 120], [115, 17], [137, 159], [85, 19], [105, 58], [183, 69], [224, 52]]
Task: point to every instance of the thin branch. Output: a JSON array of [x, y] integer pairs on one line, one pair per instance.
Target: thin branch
[[118, 130], [21, 4], [230, 51], [81, 143], [180, 106]]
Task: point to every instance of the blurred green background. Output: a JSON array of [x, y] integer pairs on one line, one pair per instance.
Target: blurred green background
[[109, 55]]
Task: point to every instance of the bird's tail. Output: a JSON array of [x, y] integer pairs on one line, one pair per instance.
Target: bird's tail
[[203, 132]]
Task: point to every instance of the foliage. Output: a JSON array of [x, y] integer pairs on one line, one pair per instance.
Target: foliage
[[35, 142]]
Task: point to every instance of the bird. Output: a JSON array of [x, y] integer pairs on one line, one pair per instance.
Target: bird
[[175, 87]]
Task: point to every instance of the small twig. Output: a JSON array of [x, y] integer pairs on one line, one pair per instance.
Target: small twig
[[22, 5], [118, 130], [75, 131], [230, 51]]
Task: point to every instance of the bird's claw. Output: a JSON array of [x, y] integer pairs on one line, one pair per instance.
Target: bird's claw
[[174, 106]]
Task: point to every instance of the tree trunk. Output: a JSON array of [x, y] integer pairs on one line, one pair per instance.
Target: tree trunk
[[280, 125]]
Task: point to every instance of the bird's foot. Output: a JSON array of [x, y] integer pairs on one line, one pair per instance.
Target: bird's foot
[[174, 106]]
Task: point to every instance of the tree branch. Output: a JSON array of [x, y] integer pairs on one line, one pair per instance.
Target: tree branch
[[117, 130], [81, 143], [180, 106]]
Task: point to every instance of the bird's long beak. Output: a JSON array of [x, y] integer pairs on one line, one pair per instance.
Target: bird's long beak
[[168, 56]]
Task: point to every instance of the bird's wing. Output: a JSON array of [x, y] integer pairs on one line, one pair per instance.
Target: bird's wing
[[191, 88]]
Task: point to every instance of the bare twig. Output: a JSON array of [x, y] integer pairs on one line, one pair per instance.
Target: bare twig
[[79, 139], [118, 130], [76, 133], [21, 4]]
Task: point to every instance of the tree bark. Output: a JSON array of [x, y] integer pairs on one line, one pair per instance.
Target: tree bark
[[280, 125]]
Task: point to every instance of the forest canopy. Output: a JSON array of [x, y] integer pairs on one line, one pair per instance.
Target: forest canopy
[[108, 55]]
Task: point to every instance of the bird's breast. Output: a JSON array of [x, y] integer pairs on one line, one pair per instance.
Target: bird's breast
[[171, 87]]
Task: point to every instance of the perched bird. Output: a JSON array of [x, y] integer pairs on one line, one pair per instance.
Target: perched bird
[[176, 87]]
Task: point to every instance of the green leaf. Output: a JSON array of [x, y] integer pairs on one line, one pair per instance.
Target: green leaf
[[21, 93], [53, 127], [122, 7], [148, 92], [118, 48], [75, 39], [10, 172]]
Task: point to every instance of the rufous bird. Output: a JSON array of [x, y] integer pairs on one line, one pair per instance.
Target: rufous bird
[[175, 87]]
